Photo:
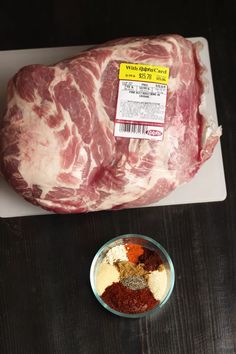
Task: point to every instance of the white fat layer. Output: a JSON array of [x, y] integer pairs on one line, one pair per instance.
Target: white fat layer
[[40, 162], [39, 159]]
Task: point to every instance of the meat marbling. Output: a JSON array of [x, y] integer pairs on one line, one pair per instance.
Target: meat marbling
[[57, 144]]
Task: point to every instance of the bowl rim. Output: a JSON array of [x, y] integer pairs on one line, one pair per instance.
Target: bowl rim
[[158, 307]]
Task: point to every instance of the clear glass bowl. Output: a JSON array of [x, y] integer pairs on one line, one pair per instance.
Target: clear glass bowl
[[145, 242]]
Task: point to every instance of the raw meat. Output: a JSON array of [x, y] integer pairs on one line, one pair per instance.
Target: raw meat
[[57, 144]]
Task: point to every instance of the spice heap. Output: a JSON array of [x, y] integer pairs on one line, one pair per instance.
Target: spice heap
[[131, 278]]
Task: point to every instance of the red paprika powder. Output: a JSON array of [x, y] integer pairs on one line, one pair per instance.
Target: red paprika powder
[[126, 300]]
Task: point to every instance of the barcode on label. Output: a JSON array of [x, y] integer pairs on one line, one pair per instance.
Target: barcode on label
[[132, 128], [129, 130]]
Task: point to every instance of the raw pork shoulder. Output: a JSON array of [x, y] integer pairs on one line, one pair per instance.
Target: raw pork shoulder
[[58, 149]]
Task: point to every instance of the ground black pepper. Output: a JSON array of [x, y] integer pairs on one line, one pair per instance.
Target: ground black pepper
[[134, 282]]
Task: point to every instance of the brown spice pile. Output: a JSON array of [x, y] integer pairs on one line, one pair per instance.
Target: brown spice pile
[[128, 269], [151, 260]]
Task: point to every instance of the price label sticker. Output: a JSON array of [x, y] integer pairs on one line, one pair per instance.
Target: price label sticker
[[141, 102], [144, 72]]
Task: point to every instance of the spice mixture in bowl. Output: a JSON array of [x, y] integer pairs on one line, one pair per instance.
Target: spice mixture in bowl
[[132, 276]]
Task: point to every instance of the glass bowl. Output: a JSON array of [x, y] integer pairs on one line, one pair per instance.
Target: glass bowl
[[145, 242]]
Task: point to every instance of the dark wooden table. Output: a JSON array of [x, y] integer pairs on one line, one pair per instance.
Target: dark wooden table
[[46, 304]]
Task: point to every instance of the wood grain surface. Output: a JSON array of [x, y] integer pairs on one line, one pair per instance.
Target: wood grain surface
[[46, 304]]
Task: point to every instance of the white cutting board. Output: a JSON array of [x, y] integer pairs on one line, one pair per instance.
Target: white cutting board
[[207, 186]]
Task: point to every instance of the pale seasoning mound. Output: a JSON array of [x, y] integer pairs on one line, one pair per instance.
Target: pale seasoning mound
[[157, 282], [107, 274], [115, 254]]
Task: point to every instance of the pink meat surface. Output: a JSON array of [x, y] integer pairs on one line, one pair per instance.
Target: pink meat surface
[[57, 144]]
